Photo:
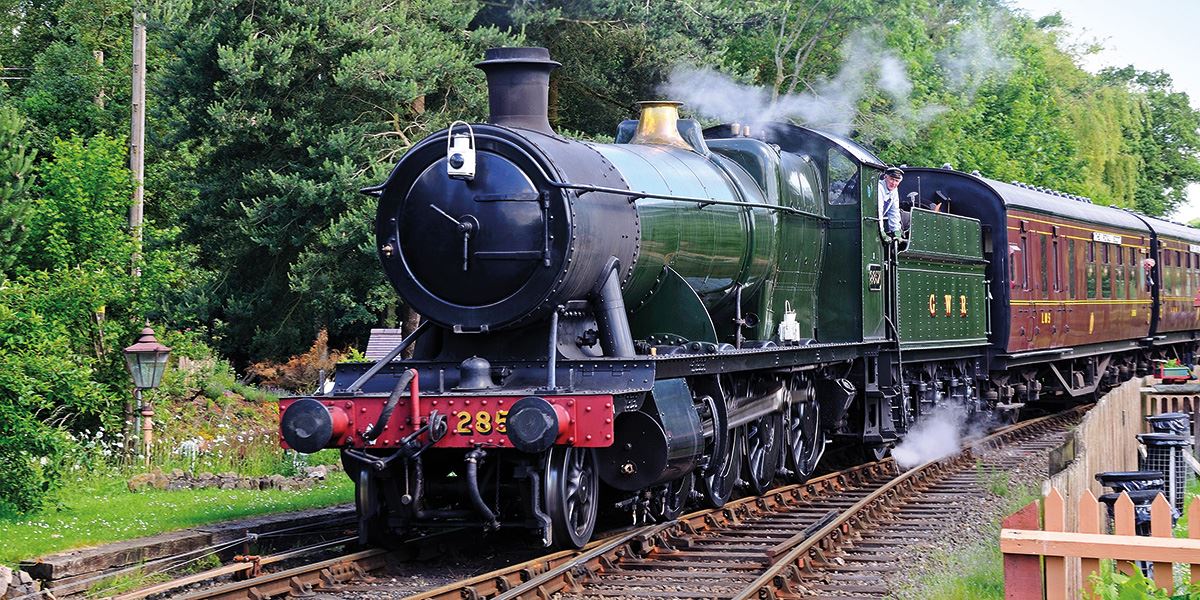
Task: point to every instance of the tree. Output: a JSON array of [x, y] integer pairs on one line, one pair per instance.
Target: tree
[[288, 109], [1169, 144], [614, 54], [16, 164]]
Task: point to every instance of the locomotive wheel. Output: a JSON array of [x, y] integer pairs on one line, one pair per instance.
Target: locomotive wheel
[[764, 436], [572, 489], [673, 499], [372, 521], [805, 440], [719, 483]]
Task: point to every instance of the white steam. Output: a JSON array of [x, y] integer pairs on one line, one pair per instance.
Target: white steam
[[972, 59], [832, 104], [936, 435]]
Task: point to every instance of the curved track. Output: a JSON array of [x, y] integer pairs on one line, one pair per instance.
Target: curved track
[[836, 535], [831, 536]]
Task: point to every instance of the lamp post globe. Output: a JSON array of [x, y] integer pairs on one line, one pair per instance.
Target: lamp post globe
[[146, 360]]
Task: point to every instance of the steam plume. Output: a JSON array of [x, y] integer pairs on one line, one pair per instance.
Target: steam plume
[[936, 435], [972, 59], [832, 103]]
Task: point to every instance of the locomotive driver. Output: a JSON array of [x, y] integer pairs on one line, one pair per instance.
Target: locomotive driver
[[889, 202]]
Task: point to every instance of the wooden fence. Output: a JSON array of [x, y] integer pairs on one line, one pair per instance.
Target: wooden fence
[[1024, 544], [1156, 403]]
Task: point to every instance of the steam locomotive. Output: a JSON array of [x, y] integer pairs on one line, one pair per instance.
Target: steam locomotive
[[686, 312]]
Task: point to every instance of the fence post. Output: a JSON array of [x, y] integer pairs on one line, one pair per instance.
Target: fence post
[[1089, 522], [1194, 533], [1160, 527], [1055, 516], [1023, 573], [1124, 524]]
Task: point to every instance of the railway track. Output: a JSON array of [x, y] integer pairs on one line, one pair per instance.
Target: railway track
[[835, 536]]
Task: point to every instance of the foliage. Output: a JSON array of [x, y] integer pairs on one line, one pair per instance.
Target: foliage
[[16, 166], [64, 315], [1169, 140], [614, 54], [306, 102], [1110, 584], [300, 373]]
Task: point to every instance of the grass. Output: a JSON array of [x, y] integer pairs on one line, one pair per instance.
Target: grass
[[977, 571], [103, 510], [999, 483], [138, 579]]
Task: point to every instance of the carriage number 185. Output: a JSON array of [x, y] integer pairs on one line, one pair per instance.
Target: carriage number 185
[[482, 422]]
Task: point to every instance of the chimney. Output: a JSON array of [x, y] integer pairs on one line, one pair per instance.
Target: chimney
[[518, 87]]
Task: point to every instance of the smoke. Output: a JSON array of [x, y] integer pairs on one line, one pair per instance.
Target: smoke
[[972, 59], [832, 104], [936, 435]]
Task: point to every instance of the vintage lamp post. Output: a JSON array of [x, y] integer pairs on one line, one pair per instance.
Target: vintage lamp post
[[146, 359]]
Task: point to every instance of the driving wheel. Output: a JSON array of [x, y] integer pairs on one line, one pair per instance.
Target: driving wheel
[[572, 488], [763, 441], [805, 439]]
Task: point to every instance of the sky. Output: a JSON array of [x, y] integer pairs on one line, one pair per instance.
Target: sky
[[1152, 35]]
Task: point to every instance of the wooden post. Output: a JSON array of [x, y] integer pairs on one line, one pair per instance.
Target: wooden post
[[1123, 524], [1160, 527], [1194, 533], [1089, 522], [1022, 574], [137, 137], [1056, 566]]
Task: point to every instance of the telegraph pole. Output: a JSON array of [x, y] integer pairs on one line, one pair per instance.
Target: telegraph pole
[[137, 136], [137, 141]]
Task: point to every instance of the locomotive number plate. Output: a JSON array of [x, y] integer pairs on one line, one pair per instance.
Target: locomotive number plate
[[480, 422]]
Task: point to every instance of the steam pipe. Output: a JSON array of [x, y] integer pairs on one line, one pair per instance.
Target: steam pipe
[[552, 357], [615, 337], [489, 517], [406, 378]]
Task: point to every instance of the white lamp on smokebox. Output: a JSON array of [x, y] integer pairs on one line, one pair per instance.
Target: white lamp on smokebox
[[147, 360]]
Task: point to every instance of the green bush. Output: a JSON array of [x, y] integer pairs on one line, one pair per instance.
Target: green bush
[[1110, 584]]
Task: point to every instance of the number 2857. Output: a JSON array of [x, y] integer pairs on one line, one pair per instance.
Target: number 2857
[[482, 422]]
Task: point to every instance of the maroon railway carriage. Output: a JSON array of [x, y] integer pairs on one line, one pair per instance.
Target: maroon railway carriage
[[1176, 256], [1077, 289]]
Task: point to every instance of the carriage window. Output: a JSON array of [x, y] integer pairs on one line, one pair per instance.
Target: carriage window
[[1012, 265], [1133, 256], [1045, 284], [1177, 263], [1090, 283], [1121, 293], [1106, 281], [1024, 262], [1057, 267], [1071, 268], [843, 179], [1104, 253], [1091, 252], [1120, 254]]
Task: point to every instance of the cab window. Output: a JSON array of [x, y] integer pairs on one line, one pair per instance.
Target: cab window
[[843, 179]]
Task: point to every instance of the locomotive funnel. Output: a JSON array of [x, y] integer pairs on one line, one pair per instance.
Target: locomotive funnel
[[518, 87], [658, 124]]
